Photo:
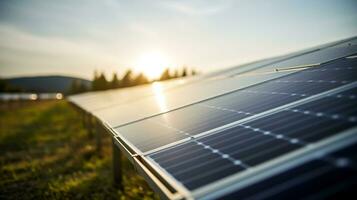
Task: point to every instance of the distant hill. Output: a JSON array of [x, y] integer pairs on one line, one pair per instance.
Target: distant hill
[[49, 84]]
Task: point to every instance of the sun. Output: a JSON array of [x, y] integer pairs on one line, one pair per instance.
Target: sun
[[152, 64]]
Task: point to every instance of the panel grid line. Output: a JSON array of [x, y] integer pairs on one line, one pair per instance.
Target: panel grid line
[[350, 96], [323, 114], [330, 69], [277, 136], [226, 109], [205, 146], [313, 81]]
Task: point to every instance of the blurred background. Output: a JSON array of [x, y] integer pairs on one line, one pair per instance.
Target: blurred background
[[50, 49], [87, 39]]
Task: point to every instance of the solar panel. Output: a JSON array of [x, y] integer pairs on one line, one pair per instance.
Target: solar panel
[[267, 130], [213, 157], [347, 42], [164, 101], [210, 87], [309, 57], [330, 176], [207, 115], [317, 54], [94, 101]]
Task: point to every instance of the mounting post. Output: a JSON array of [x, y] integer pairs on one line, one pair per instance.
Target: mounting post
[[98, 136], [117, 166]]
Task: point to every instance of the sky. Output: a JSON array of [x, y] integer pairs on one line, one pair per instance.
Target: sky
[[77, 37]]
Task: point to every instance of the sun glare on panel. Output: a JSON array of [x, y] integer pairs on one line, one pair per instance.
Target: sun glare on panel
[[160, 98], [152, 64]]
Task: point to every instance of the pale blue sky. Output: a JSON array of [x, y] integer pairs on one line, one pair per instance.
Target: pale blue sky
[[75, 37]]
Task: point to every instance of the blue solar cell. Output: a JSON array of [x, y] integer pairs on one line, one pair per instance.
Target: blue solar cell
[[333, 176], [197, 118], [255, 142], [196, 167]]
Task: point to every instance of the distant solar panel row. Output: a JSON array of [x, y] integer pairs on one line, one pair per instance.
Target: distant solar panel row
[[192, 120]]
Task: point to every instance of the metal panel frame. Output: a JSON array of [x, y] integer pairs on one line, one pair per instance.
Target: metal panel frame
[[165, 186]]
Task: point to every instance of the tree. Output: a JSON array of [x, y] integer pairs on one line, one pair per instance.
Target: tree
[[3, 85], [177, 73], [127, 79], [165, 75], [115, 83], [102, 82], [6, 87], [95, 81], [184, 72], [77, 86], [140, 79], [83, 87]]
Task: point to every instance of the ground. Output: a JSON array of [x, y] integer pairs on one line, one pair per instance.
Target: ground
[[45, 153]]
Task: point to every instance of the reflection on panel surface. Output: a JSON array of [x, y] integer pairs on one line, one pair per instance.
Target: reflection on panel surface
[[177, 97], [99, 100], [204, 89], [210, 114], [102, 103]]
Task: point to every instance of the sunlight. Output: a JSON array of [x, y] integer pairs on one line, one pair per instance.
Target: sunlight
[[159, 96], [152, 64]]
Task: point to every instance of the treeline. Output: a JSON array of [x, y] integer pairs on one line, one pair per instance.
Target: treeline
[[129, 79], [6, 87]]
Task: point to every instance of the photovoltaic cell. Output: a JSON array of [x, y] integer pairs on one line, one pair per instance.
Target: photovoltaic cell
[[196, 167], [319, 54], [246, 145], [197, 118], [333, 176]]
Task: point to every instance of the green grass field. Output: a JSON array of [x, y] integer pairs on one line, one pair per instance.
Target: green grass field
[[47, 154]]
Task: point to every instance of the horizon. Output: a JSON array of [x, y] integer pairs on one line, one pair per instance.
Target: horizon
[[107, 75], [75, 38]]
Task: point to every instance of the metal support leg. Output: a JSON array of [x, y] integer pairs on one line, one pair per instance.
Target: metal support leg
[[117, 166], [98, 135], [83, 115], [90, 125]]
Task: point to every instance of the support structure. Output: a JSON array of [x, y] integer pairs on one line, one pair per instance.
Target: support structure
[[98, 137], [117, 166]]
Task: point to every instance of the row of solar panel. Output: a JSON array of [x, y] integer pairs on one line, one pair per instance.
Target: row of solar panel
[[249, 144], [189, 121], [227, 124], [108, 106]]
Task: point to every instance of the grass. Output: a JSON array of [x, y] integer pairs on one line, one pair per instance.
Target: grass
[[45, 153]]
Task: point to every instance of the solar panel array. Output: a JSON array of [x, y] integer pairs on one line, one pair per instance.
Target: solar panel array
[[266, 130]]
